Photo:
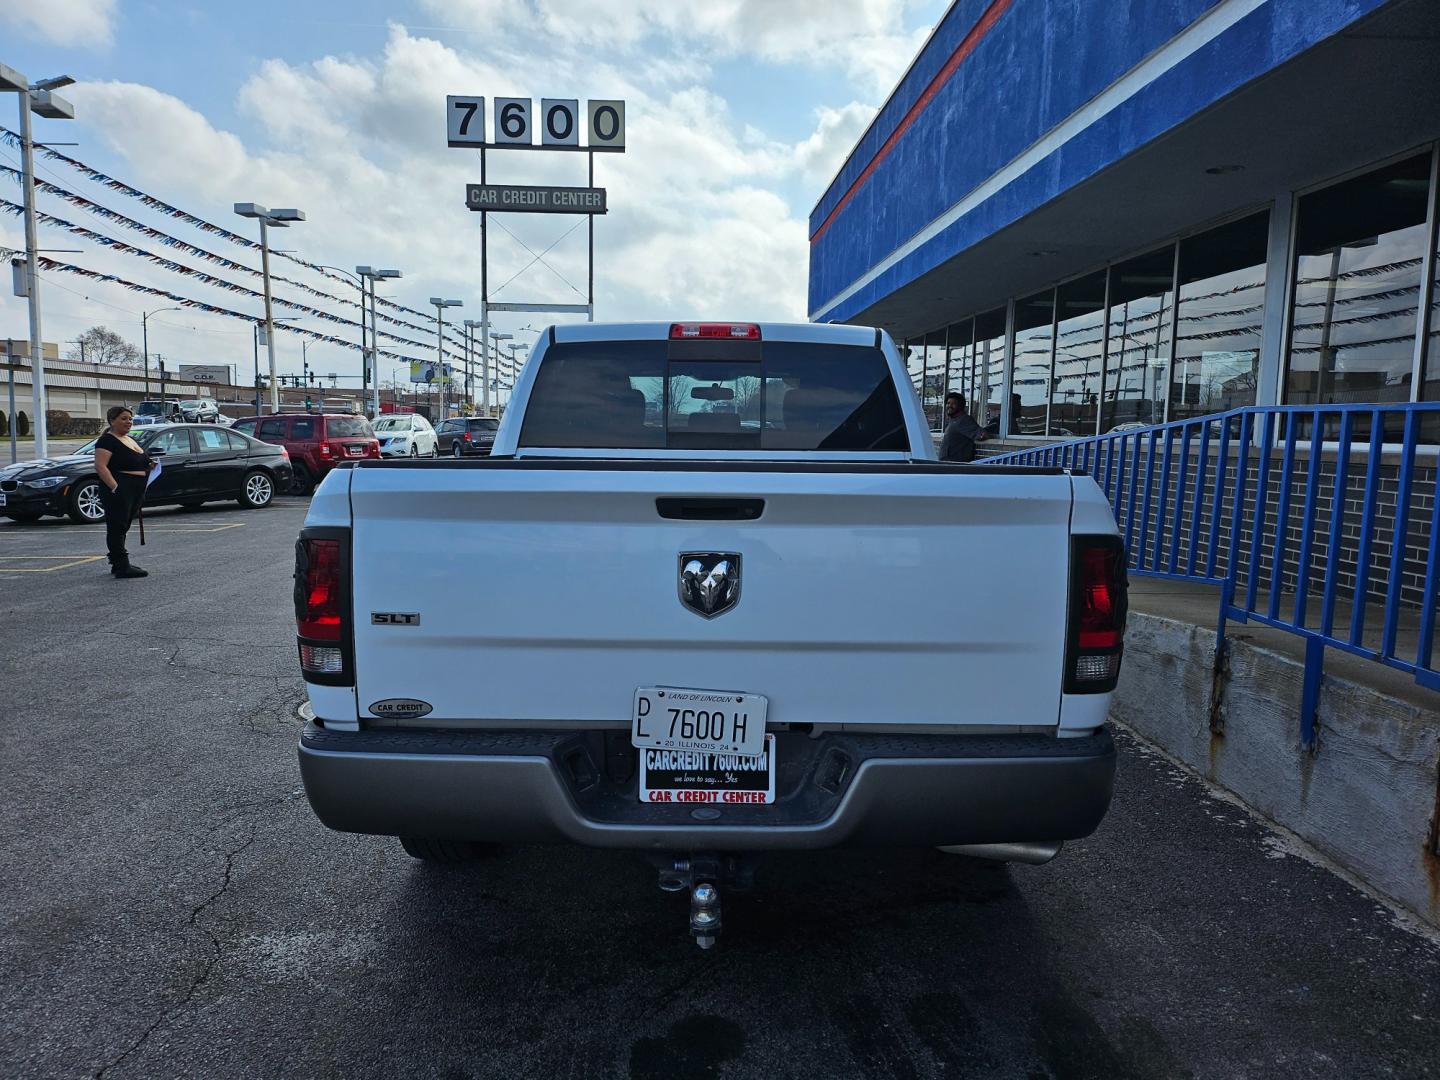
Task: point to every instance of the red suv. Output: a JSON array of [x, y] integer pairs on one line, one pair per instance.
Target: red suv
[[317, 442]]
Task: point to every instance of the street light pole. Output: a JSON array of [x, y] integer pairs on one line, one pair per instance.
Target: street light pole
[[372, 275], [278, 219], [145, 338], [35, 97], [440, 306]]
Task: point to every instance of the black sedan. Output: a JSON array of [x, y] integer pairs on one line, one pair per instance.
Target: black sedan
[[201, 463]]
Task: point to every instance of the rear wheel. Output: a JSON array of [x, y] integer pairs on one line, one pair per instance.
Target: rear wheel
[[302, 484], [256, 490], [445, 851], [455, 449], [85, 506]]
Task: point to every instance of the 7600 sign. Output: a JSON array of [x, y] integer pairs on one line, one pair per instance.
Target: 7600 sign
[[515, 122]]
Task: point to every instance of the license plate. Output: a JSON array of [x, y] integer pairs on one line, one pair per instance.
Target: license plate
[[354, 451], [718, 721], [699, 776]]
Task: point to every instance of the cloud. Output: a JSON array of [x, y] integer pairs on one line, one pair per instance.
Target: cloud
[[707, 208], [61, 22], [865, 38]]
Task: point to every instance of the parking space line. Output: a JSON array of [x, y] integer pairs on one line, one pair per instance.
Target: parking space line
[[187, 529], [75, 560]]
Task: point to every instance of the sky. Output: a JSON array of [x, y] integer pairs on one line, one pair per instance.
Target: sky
[[738, 113]]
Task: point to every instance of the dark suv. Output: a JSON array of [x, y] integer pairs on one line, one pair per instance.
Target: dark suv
[[465, 435], [317, 441]]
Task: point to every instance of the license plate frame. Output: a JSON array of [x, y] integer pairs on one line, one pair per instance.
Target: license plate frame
[[712, 781], [682, 718]]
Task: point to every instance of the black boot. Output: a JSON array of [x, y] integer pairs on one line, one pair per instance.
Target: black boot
[[123, 568]]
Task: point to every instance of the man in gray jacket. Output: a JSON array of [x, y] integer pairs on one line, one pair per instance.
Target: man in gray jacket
[[961, 431]]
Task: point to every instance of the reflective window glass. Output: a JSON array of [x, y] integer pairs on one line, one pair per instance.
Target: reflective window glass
[[915, 361], [959, 363], [989, 369], [211, 440], [1142, 299], [1222, 313], [932, 395], [1079, 355], [1359, 250], [1430, 388], [1034, 334]]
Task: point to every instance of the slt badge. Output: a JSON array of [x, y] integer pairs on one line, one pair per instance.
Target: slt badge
[[709, 581]]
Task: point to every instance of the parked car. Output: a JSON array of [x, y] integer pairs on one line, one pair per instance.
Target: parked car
[[467, 435], [408, 435], [711, 634], [200, 410], [153, 411], [201, 463], [317, 442]]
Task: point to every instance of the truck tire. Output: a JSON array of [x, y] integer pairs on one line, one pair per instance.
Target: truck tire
[[445, 851]]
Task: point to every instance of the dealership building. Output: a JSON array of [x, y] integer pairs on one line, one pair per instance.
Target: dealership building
[[1085, 214]]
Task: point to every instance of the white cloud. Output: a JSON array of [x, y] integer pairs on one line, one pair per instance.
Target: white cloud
[[61, 22], [700, 224], [865, 38]]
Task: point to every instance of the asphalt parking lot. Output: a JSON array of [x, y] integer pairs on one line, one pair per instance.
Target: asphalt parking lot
[[172, 909]]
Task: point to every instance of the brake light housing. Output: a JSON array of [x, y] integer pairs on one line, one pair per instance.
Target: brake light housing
[[323, 617], [1099, 603], [714, 331]]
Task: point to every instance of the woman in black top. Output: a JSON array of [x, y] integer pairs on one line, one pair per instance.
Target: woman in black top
[[122, 467]]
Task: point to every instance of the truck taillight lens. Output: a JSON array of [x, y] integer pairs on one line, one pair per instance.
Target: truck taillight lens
[[322, 606], [724, 331], [325, 450], [322, 585], [1099, 590]]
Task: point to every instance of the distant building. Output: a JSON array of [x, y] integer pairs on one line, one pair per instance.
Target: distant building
[[1085, 214]]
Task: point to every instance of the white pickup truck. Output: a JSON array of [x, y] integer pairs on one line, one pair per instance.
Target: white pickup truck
[[712, 595]]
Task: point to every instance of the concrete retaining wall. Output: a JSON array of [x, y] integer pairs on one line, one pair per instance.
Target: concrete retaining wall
[[1367, 798]]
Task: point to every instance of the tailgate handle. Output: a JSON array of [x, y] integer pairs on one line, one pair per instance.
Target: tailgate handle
[[707, 509]]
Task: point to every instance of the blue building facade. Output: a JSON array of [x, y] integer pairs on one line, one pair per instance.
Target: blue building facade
[[1087, 214]]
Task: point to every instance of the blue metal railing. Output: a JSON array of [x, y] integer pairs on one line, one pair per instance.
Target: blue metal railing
[[1281, 506]]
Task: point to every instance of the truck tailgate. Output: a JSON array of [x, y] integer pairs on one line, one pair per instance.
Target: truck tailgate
[[916, 595]]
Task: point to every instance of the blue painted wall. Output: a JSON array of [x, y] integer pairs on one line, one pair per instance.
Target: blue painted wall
[[1041, 62]]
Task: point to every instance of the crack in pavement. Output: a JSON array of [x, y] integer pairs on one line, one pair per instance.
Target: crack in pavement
[[210, 965]]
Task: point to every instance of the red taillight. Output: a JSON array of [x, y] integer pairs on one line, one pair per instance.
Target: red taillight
[[325, 450], [729, 331], [1097, 610], [320, 611], [467, 436], [1098, 604]]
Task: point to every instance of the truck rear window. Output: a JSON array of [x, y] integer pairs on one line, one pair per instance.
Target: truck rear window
[[781, 396]]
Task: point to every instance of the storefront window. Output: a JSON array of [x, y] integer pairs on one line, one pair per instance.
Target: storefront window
[[989, 369], [1034, 336], [960, 365], [1222, 312], [915, 361], [932, 392], [1079, 356], [1141, 301], [1357, 284]]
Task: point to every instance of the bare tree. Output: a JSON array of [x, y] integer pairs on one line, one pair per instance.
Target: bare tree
[[100, 345]]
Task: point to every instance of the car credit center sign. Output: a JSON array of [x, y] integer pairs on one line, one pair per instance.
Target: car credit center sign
[[535, 200]]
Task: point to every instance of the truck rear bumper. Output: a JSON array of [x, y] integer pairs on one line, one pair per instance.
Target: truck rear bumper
[[580, 787]]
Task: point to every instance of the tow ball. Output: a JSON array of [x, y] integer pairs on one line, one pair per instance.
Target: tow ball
[[702, 875]]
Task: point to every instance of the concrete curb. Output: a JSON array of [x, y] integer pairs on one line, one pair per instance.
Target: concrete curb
[[1368, 798]]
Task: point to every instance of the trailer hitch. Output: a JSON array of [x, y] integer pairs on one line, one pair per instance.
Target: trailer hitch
[[703, 874]]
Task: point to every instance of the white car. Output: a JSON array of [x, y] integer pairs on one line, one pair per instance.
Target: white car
[[407, 435]]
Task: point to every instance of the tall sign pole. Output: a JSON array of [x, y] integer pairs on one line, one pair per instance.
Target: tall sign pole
[[32, 281], [559, 121]]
